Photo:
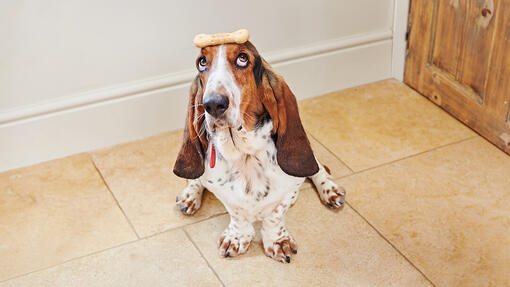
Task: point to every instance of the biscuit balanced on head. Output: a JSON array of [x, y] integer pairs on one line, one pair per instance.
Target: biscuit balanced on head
[[204, 40]]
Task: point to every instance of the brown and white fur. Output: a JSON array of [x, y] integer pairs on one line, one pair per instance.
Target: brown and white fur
[[262, 152]]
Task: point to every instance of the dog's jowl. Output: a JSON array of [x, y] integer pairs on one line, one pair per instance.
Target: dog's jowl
[[244, 142]]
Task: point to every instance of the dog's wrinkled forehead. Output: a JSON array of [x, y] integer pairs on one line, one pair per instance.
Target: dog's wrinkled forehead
[[216, 71], [222, 54], [228, 64]]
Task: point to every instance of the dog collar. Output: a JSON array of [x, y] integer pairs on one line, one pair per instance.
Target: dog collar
[[212, 160]]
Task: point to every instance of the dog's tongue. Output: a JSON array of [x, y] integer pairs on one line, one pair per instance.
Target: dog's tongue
[[212, 160]]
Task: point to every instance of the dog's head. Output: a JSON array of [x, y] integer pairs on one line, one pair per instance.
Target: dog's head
[[235, 87]]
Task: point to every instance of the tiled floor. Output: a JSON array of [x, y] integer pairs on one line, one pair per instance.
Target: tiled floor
[[427, 205]]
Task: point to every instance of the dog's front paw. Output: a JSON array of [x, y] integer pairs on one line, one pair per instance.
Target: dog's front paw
[[331, 194], [190, 200], [281, 249], [233, 243]]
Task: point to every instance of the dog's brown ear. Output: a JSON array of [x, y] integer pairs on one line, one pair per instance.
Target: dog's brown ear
[[190, 161], [294, 154]]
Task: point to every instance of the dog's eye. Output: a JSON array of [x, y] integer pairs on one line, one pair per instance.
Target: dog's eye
[[202, 64], [242, 60]]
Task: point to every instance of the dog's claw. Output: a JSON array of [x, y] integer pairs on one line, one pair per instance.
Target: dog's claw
[[232, 243], [282, 249], [332, 195], [183, 208], [189, 201]]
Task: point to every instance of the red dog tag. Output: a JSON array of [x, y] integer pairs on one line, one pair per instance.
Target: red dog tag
[[212, 160]]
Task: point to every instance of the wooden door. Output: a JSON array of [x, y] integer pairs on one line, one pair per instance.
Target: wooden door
[[459, 57]]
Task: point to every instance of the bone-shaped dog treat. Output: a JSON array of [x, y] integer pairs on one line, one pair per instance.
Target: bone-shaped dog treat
[[204, 40]]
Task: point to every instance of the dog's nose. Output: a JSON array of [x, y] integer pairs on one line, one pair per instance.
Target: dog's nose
[[216, 104]]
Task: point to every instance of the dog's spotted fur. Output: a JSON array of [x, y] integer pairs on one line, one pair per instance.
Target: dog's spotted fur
[[262, 153]]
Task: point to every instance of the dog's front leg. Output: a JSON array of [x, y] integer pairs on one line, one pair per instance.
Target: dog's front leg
[[236, 239], [190, 199], [330, 193], [278, 242]]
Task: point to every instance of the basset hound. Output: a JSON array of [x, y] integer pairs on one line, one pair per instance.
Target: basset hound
[[244, 142]]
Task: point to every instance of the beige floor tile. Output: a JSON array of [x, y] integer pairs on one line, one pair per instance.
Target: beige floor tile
[[377, 123], [447, 210], [55, 211], [168, 259], [140, 175], [335, 249], [337, 168]]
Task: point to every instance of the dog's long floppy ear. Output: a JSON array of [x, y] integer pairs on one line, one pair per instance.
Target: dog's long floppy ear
[[190, 161], [294, 154]]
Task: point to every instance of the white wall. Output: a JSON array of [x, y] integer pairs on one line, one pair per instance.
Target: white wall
[[79, 75]]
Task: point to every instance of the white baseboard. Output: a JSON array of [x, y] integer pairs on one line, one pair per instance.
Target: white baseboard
[[105, 117]]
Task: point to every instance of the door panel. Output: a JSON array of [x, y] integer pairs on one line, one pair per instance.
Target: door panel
[[478, 32], [459, 57], [447, 38]]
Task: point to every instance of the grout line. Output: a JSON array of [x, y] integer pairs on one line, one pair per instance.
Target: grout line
[[407, 157], [205, 259], [390, 243], [223, 213], [70, 260], [113, 195], [110, 248], [337, 157], [183, 226], [389, 163]]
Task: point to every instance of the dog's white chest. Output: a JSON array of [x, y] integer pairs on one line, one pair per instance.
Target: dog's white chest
[[246, 177]]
